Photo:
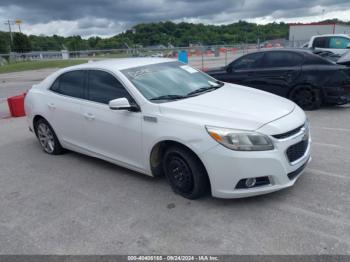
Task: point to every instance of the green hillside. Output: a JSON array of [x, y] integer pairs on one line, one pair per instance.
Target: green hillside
[[161, 33]]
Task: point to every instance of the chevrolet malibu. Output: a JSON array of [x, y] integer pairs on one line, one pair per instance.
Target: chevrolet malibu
[[158, 116]]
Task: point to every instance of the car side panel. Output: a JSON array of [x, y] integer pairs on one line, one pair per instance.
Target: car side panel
[[330, 79], [278, 81]]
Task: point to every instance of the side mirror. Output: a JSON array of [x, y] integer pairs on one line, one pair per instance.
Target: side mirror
[[122, 104], [348, 46]]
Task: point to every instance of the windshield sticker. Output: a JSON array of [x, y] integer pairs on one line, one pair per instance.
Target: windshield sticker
[[139, 73], [189, 69]]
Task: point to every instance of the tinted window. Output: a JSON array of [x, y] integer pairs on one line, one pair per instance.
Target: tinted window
[[103, 87], [70, 84], [339, 42], [248, 61], [321, 42], [312, 59], [282, 59]]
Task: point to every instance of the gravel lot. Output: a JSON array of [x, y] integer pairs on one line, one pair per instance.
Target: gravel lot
[[74, 204]]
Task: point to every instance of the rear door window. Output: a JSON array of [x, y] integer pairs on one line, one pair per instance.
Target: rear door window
[[70, 84], [248, 61], [282, 59]]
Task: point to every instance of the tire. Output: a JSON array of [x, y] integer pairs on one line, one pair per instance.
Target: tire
[[185, 173], [47, 138], [306, 97]]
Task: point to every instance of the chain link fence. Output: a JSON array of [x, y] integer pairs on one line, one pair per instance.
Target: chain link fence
[[203, 57]]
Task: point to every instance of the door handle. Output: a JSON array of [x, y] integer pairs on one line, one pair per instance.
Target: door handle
[[89, 116], [51, 106]]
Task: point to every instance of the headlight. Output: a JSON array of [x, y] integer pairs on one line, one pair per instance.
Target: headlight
[[240, 140]]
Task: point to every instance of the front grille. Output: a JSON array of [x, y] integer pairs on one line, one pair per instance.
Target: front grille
[[289, 133], [297, 151]]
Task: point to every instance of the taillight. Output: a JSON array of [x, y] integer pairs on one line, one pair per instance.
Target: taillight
[[347, 88]]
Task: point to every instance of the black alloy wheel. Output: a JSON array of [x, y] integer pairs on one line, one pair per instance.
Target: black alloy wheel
[[307, 98]]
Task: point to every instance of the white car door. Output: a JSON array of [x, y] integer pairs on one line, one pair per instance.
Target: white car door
[[113, 134], [64, 107]]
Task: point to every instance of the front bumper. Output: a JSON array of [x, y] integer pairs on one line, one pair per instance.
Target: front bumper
[[336, 97], [226, 168], [337, 100]]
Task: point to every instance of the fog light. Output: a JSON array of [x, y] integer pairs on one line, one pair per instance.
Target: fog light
[[250, 182]]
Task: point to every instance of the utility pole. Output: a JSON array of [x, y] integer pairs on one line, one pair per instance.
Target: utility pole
[[10, 31], [8, 22]]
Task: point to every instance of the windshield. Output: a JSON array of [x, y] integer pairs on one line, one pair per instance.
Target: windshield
[[170, 81]]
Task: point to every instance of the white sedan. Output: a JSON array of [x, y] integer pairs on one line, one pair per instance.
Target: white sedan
[[159, 116]]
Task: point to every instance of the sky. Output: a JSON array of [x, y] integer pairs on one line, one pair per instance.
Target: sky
[[106, 18]]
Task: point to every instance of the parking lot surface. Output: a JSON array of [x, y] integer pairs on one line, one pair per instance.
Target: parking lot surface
[[74, 204]]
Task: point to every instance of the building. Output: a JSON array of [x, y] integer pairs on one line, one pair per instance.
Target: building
[[303, 32]]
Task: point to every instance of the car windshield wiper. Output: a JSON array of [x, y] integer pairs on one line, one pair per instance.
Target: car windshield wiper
[[168, 97], [206, 89]]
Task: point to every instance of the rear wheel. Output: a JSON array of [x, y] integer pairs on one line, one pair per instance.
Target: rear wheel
[[47, 138], [185, 173], [307, 97]]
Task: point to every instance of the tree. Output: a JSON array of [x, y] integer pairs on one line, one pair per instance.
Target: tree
[[21, 43], [93, 42], [4, 43]]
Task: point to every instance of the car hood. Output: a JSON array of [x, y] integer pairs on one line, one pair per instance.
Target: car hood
[[231, 106]]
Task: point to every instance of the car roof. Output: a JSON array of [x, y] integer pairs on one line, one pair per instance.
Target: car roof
[[296, 50], [120, 64], [302, 51], [330, 35]]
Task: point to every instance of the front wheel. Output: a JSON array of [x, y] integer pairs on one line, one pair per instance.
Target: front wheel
[[307, 97], [47, 138], [185, 173]]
